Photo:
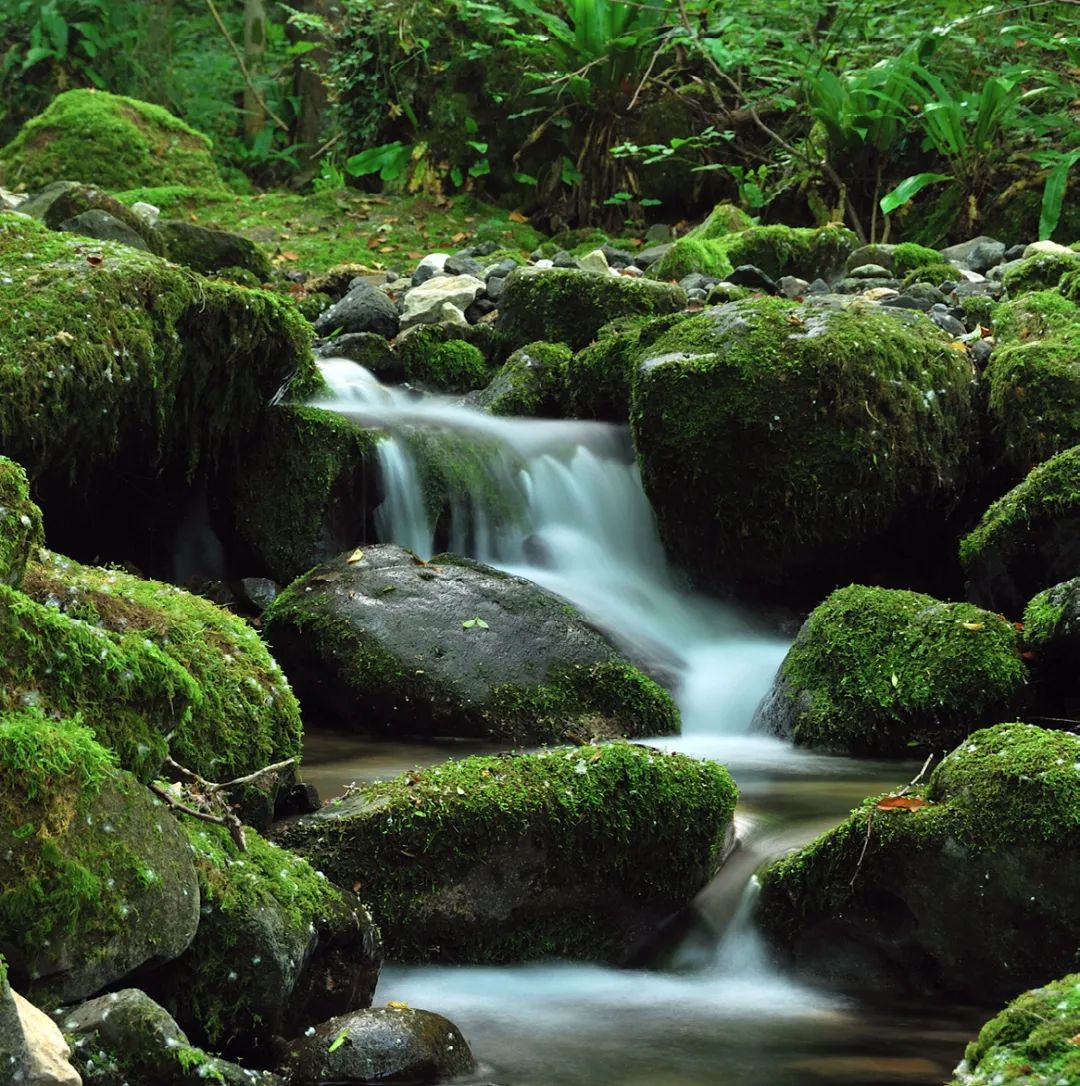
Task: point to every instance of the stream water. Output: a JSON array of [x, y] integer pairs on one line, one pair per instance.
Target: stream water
[[561, 504]]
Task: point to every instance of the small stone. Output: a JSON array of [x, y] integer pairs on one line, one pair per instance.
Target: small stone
[[595, 262], [869, 271], [1049, 248], [430, 266], [650, 255], [146, 212], [791, 286], [748, 275], [425, 304], [976, 255], [463, 264], [565, 260]]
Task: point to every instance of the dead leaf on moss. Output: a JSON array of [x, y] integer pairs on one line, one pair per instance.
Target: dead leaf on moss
[[902, 803]]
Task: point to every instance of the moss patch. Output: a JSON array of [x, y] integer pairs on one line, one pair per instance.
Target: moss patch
[[246, 716], [1032, 1042], [20, 522], [907, 256], [449, 366], [877, 670], [1041, 271], [531, 383], [176, 367], [105, 139], [724, 219], [567, 845], [689, 255]]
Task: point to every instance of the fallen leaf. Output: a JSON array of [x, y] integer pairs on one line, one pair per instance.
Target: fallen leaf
[[397, 1005], [895, 680], [1075, 1040], [339, 1040], [95, 261], [973, 625], [66, 338], [516, 216], [458, 237], [902, 803], [290, 255], [1018, 626], [1028, 655], [415, 255], [356, 556]]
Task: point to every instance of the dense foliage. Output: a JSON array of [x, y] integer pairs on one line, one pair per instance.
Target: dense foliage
[[933, 120]]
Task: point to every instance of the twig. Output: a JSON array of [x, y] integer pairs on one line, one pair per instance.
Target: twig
[[229, 821], [243, 68], [648, 72], [211, 786], [918, 777]]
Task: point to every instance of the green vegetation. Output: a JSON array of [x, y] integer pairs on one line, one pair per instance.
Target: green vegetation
[[451, 365], [1043, 271], [20, 523], [877, 670], [244, 715], [531, 382], [607, 829], [1033, 1040]]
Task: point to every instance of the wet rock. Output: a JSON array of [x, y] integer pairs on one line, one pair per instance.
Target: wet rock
[[887, 899], [463, 264], [595, 262], [386, 643], [431, 266], [382, 1045], [32, 1048], [746, 275], [791, 286], [260, 592], [578, 852], [877, 256], [425, 304], [210, 251], [365, 308], [919, 674], [531, 383], [977, 255]]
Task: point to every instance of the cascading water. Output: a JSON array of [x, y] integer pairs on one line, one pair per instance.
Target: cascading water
[[560, 502]]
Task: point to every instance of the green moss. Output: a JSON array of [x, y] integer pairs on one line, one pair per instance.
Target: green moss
[[809, 252], [20, 522], [878, 670], [130, 692], [450, 366], [643, 824], [104, 139], [1033, 316], [1035, 397], [1046, 614], [1032, 1042], [934, 274], [1050, 492], [1069, 286], [177, 367], [302, 488], [689, 255], [246, 716], [724, 219], [241, 892], [907, 257], [562, 305], [531, 383], [1042, 271], [772, 434]]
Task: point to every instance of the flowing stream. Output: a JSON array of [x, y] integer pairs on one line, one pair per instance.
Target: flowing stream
[[561, 504]]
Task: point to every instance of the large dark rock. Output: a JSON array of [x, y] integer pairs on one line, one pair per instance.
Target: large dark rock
[[779, 440], [364, 308], [126, 1037], [391, 1045], [882, 671], [210, 251], [105, 227], [973, 895], [98, 878], [389, 643], [577, 852], [279, 947], [55, 204]]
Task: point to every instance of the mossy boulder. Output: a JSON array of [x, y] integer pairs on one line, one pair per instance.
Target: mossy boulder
[[303, 490], [561, 305], [884, 671], [177, 368], [131, 692], [724, 219], [450, 366], [1052, 640], [384, 1044], [1034, 379], [934, 274], [98, 877], [808, 252], [108, 140], [391, 644], [530, 383], [1029, 539], [244, 716], [1040, 271], [598, 378], [279, 948], [1032, 1042], [126, 1037], [908, 257], [778, 439], [20, 522], [572, 852], [210, 251], [888, 897]]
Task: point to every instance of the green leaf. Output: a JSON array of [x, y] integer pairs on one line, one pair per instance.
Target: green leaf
[[339, 1040], [388, 160], [525, 179], [1054, 195], [457, 176], [476, 145], [909, 188], [474, 624], [480, 169]]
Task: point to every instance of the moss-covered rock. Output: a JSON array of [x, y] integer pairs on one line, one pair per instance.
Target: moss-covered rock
[[889, 896], [934, 274], [303, 490], [98, 878], [1041, 271], [908, 257], [211, 251], [561, 305], [452, 365], [724, 219], [1052, 641], [598, 378], [1034, 379], [244, 717], [388, 643], [883, 671], [1032, 1042], [531, 382], [20, 522], [572, 852], [706, 256], [108, 140], [279, 948], [134, 695], [778, 438], [126, 1037], [384, 1044], [1029, 539], [176, 367]]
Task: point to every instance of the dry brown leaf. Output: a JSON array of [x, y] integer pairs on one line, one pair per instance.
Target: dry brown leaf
[[902, 803], [290, 255], [516, 216], [458, 237]]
